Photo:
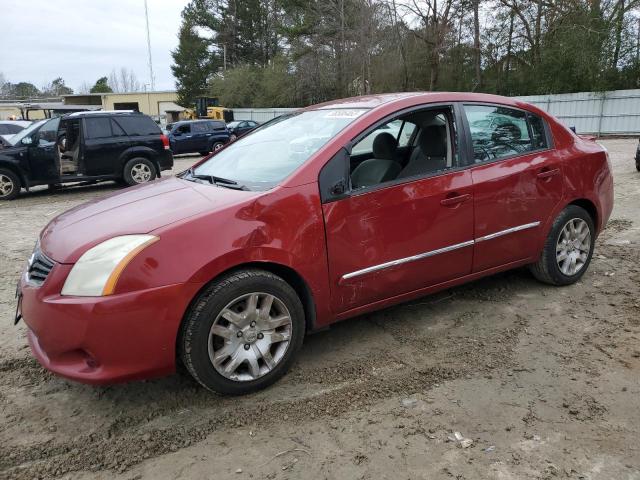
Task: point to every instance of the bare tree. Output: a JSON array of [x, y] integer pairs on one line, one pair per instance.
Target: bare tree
[[124, 81]]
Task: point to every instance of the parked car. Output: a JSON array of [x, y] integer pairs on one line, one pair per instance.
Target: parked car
[[8, 128], [227, 266], [84, 147], [638, 157], [197, 136], [240, 127]]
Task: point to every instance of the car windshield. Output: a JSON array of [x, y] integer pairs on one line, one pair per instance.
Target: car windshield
[[17, 138], [271, 152]]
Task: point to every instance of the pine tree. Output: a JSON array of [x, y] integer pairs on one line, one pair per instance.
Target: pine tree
[[192, 64], [101, 86]]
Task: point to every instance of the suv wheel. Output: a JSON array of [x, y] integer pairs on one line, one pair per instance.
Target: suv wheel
[[217, 146], [568, 249], [242, 333], [139, 170], [9, 185]]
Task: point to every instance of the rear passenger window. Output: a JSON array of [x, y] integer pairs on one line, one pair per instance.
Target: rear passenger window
[[499, 132], [117, 131], [218, 125], [138, 125], [200, 127], [539, 136], [97, 127]]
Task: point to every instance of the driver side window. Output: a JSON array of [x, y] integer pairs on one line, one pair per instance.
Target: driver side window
[[47, 133]]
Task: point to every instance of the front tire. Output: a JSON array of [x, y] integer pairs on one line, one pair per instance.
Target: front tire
[[242, 333], [9, 185], [139, 170], [568, 248]]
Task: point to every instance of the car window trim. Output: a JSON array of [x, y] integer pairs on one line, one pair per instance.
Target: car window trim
[[469, 141]]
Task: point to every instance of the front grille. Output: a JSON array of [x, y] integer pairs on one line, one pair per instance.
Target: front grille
[[39, 267]]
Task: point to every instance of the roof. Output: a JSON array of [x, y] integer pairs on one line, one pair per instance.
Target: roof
[[377, 100], [100, 112], [150, 92]]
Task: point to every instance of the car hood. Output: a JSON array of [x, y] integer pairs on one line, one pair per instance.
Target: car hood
[[140, 209]]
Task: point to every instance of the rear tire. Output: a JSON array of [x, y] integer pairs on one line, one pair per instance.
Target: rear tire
[[568, 248], [217, 146], [242, 333], [139, 170], [10, 185]]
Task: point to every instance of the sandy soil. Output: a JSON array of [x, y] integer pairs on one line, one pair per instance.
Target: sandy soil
[[542, 381]]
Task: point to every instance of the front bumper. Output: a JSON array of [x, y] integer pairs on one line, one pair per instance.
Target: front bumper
[[101, 340]]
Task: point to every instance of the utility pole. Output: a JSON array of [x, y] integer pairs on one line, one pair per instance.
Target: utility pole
[[151, 79]]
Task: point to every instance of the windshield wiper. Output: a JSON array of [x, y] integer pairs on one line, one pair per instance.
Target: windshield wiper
[[219, 181]]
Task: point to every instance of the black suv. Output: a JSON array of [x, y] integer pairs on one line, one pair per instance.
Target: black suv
[[84, 147], [197, 136]]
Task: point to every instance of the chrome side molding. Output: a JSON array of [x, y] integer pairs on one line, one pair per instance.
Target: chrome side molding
[[413, 258], [432, 253], [508, 231]]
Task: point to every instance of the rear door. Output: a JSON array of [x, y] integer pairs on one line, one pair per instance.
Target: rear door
[[401, 235], [517, 182], [104, 142]]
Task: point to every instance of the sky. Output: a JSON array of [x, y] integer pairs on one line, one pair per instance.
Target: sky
[[83, 40]]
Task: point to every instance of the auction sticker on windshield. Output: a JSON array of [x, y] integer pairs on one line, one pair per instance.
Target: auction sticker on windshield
[[344, 113]]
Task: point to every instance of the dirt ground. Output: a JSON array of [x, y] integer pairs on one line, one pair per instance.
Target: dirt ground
[[540, 382]]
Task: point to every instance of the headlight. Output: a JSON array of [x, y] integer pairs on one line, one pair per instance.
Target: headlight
[[97, 271]]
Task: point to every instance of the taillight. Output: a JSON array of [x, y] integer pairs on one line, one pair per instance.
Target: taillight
[[165, 141]]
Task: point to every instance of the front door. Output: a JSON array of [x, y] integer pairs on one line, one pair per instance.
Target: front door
[[406, 232], [42, 153], [517, 183]]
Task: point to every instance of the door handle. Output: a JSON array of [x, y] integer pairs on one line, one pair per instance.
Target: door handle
[[548, 172], [454, 199]]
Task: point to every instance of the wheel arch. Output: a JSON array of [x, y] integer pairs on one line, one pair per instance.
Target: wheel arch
[[142, 152], [288, 274], [590, 208], [15, 169]]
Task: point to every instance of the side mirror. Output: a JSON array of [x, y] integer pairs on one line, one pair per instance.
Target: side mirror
[[27, 141]]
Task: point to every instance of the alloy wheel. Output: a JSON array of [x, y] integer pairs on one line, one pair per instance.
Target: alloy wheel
[[6, 186], [250, 336], [140, 173], [573, 247]]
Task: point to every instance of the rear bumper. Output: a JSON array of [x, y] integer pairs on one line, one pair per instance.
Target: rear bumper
[[101, 340]]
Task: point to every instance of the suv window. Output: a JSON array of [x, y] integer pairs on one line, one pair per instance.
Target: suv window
[[117, 130], [48, 132], [499, 132], [217, 125], [186, 128], [200, 127], [138, 125], [97, 127]]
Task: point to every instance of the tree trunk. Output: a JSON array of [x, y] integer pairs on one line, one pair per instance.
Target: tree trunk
[[619, 25], [476, 44]]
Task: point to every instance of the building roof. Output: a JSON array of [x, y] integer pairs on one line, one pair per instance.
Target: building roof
[[118, 93]]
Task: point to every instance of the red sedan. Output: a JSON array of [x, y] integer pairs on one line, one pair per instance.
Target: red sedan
[[329, 212]]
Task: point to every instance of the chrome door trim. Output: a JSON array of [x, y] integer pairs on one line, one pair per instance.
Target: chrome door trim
[[413, 258], [432, 253], [491, 236]]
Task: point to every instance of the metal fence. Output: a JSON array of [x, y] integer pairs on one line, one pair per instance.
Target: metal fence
[[615, 112], [259, 114]]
